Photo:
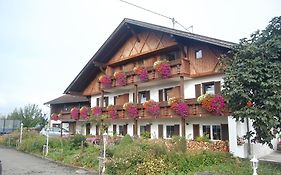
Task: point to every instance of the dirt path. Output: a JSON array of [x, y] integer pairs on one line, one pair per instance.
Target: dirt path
[[18, 163]]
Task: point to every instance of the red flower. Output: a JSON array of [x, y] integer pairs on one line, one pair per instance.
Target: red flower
[[163, 68], [142, 73], [179, 106], [105, 81], [96, 111], [54, 117], [212, 103], [74, 113], [84, 112], [250, 104], [152, 108], [121, 79]]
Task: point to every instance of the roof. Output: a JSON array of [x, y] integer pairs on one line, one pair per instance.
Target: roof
[[68, 99], [118, 37]]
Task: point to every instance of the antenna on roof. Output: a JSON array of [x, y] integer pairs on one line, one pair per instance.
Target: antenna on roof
[[159, 14]]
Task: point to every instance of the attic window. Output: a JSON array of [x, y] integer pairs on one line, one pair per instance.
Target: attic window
[[198, 54]]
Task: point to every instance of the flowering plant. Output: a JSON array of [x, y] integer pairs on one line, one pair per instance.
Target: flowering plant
[[54, 117], [131, 109], [142, 73], [74, 113], [84, 112], [121, 79], [112, 112], [152, 108], [163, 68], [96, 111], [240, 141], [179, 106], [212, 103], [105, 81]]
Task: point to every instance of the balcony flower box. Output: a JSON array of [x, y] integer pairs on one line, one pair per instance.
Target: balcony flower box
[[212, 103], [55, 117], [96, 111], [112, 111], [179, 106], [105, 81], [142, 73], [74, 113], [152, 108], [163, 68], [131, 110], [84, 111], [121, 78]]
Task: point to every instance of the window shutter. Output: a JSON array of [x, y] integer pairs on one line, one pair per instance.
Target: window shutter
[[160, 95], [197, 90], [125, 129], [224, 132], [195, 131], [98, 102], [147, 95], [177, 130], [160, 131], [217, 87]]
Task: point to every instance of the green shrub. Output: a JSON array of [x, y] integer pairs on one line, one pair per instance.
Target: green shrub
[[179, 144], [146, 135], [75, 141], [152, 165], [126, 140], [204, 138]]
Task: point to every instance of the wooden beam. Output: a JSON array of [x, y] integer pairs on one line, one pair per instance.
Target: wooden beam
[[133, 32]]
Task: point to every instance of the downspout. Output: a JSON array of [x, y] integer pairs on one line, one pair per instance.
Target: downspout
[[248, 137]]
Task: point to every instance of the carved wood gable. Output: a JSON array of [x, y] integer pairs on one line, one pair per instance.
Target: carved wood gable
[[148, 41], [93, 87]]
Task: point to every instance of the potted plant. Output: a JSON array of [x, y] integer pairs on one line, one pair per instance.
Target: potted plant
[[121, 78], [131, 109], [142, 73], [152, 108], [163, 68], [96, 111], [112, 112], [74, 113], [105, 81], [178, 106], [212, 103], [84, 112]]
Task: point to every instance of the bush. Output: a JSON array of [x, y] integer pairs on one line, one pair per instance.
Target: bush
[[204, 138], [179, 144], [75, 141]]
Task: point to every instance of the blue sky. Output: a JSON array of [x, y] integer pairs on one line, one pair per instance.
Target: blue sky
[[45, 43]]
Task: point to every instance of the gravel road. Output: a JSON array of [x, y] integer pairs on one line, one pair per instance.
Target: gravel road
[[18, 163]]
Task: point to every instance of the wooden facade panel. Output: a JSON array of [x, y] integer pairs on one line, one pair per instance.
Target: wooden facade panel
[[207, 64], [149, 41], [121, 99], [92, 87]]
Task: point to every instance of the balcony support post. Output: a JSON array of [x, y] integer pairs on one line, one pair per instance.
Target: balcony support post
[[136, 102], [102, 99], [182, 97]]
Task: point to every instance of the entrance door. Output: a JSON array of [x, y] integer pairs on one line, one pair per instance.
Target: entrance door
[[195, 131]]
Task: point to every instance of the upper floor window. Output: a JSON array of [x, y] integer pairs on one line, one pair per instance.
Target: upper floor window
[[171, 55], [105, 101], [144, 96], [164, 94], [209, 88], [198, 54]]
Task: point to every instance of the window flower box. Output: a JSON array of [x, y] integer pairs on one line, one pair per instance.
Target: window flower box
[[142, 73], [105, 81], [112, 111], [74, 113], [163, 68], [178, 106], [121, 78], [131, 109], [55, 117], [84, 112], [96, 111], [212, 103], [152, 108]]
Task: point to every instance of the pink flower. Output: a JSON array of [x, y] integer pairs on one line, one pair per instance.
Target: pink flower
[[163, 68], [142, 73], [105, 81], [54, 117], [152, 108], [112, 112], [131, 109], [179, 106], [96, 111], [74, 113], [84, 112], [121, 79]]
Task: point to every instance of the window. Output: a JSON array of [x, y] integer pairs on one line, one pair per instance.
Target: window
[[144, 96], [207, 130], [98, 102], [209, 88], [121, 130], [172, 130], [216, 132], [115, 100], [105, 101], [171, 55], [166, 93], [198, 54]]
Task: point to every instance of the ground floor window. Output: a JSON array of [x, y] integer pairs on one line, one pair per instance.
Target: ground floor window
[[122, 130], [213, 131], [172, 130], [145, 131]]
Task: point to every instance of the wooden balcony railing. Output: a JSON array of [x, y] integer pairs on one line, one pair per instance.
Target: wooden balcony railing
[[178, 67], [194, 110]]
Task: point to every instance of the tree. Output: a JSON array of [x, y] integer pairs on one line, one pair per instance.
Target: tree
[[31, 116], [252, 83]]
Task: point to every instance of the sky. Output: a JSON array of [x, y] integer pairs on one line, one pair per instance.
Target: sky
[[44, 44]]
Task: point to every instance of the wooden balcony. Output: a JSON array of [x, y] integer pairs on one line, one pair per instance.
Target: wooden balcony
[[179, 67]]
